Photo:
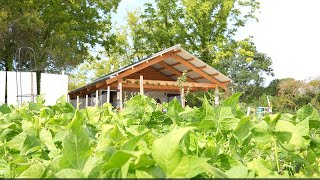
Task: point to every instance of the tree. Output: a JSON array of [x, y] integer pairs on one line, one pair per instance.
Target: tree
[[248, 77], [60, 32], [115, 54], [206, 28], [272, 88]]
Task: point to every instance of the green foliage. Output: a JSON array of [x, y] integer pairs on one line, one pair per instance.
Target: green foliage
[[142, 141], [60, 33]]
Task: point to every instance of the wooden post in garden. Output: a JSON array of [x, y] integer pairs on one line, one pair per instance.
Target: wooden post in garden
[[108, 95], [120, 96], [141, 85], [87, 100], [68, 98], [77, 102], [182, 96], [216, 96], [97, 97]]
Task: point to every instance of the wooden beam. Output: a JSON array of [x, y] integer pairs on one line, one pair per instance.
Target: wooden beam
[[160, 69], [214, 74], [226, 81], [195, 69], [87, 100], [120, 96], [78, 102], [178, 73], [203, 67], [108, 95], [201, 77], [162, 88], [191, 59], [216, 96], [171, 83], [97, 97], [183, 102], [139, 67], [141, 85], [175, 64]]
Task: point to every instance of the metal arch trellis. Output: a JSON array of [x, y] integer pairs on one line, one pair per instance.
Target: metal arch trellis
[[19, 67]]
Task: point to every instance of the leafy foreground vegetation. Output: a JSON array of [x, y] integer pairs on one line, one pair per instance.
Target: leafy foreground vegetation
[[142, 141]]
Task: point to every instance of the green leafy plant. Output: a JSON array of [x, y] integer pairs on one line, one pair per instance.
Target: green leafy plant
[[142, 141]]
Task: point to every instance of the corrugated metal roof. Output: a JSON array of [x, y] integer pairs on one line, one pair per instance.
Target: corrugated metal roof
[[170, 61]]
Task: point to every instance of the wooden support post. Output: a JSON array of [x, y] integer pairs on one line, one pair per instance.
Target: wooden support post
[[68, 98], [216, 96], [97, 97], [141, 85], [119, 95], [108, 95], [183, 102], [77, 102], [87, 100]]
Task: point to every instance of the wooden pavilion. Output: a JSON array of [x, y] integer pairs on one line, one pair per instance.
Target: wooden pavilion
[[155, 76]]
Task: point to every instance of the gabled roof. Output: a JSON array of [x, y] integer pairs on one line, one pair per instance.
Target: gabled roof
[[174, 63]]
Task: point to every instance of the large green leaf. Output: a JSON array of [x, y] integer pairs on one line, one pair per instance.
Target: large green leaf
[[93, 114], [4, 109], [17, 141], [294, 134], [132, 143], [306, 111], [243, 129], [261, 132], [76, 145], [31, 144], [121, 160], [150, 172], [262, 167], [34, 171], [174, 108], [173, 162], [232, 101], [69, 173], [237, 172], [46, 138]]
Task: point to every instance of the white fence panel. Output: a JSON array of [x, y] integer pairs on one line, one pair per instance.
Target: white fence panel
[[2, 87], [14, 89], [53, 86]]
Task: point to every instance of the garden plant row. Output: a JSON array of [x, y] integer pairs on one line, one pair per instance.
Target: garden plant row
[[143, 141]]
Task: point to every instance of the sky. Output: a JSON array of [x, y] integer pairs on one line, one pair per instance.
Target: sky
[[288, 31]]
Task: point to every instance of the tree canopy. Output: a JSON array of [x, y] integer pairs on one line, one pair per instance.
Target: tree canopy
[[60, 32]]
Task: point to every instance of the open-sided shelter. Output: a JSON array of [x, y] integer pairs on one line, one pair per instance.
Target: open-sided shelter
[[155, 76]]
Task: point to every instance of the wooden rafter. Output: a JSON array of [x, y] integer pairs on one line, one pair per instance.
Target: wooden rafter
[[200, 77], [160, 69], [139, 67], [175, 71], [197, 70], [175, 64]]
